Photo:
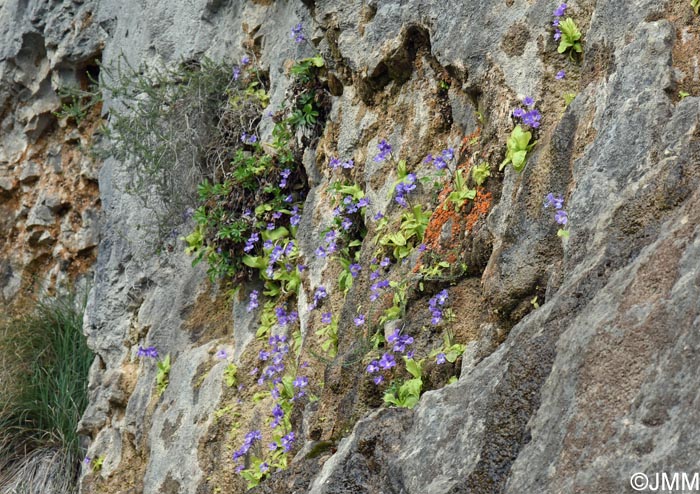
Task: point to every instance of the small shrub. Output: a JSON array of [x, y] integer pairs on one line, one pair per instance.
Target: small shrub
[[175, 127]]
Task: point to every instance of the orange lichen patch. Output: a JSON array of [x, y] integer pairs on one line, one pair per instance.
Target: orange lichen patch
[[480, 207], [468, 140], [460, 222]]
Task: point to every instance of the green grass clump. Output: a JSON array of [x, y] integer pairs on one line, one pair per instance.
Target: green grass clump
[[44, 364]]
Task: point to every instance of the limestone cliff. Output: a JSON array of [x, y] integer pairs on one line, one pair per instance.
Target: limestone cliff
[[580, 364]]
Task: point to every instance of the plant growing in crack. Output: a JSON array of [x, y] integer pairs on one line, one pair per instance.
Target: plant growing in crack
[[566, 32]]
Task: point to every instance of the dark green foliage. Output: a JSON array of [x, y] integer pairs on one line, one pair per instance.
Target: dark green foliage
[[47, 358]]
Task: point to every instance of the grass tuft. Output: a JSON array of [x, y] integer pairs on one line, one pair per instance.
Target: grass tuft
[[44, 363]]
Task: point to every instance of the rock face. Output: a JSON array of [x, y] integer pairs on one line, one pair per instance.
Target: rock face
[[581, 353], [48, 209]]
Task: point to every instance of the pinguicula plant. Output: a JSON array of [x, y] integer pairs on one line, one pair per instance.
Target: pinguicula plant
[[414, 220], [286, 387], [519, 143], [696, 6], [566, 32], [344, 238], [560, 216]]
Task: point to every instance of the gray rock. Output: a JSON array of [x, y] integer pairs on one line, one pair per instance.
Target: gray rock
[[29, 172], [40, 215]]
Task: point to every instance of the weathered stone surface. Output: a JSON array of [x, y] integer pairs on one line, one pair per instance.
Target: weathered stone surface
[[575, 396]]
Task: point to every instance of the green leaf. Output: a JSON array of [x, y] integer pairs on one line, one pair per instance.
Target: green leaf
[[413, 367], [257, 262], [276, 234], [317, 61], [480, 173]]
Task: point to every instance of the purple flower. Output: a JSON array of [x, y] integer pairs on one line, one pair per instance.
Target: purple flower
[[150, 352], [355, 270], [298, 34], [346, 224], [448, 154], [440, 359], [252, 436], [264, 467], [532, 118], [378, 216], [374, 275], [334, 163], [387, 361], [87, 460], [378, 379], [518, 113], [560, 10], [245, 60], [372, 367], [386, 262], [555, 22], [326, 318], [422, 247], [560, 75], [301, 382], [528, 101], [552, 200], [221, 354], [250, 243], [248, 138], [557, 34], [288, 441], [285, 175], [253, 302], [263, 355], [236, 73], [320, 293], [439, 163], [561, 217], [429, 158], [384, 151], [363, 202], [349, 164], [359, 320]]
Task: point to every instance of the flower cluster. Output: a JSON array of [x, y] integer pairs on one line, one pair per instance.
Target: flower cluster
[[298, 33], [530, 116], [150, 352], [384, 151], [284, 318], [253, 302], [441, 161], [403, 188], [557, 202], [275, 360], [319, 295], [385, 363], [280, 256], [248, 138], [558, 13], [400, 343], [436, 304], [250, 439], [335, 163]]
